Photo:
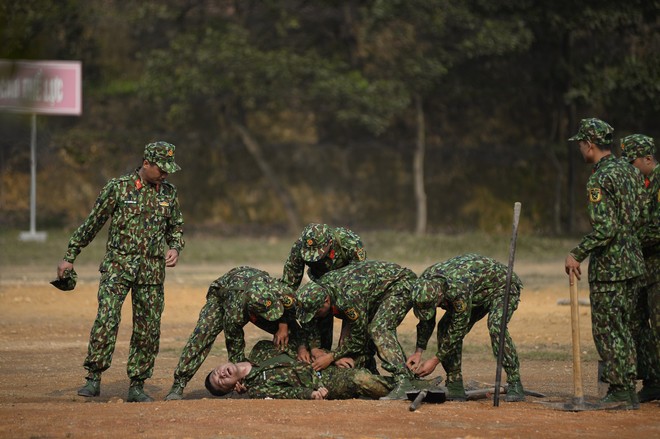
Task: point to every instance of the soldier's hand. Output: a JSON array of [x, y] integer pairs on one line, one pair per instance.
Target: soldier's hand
[[281, 337], [572, 266], [316, 353], [323, 361], [427, 367], [321, 393], [171, 258], [414, 360], [303, 355], [345, 363], [62, 266]]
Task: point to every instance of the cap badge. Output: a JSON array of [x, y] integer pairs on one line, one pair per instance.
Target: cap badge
[[170, 153], [268, 303], [352, 314], [595, 195], [310, 242]]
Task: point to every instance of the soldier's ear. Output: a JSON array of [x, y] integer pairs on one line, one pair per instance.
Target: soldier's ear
[[327, 300]]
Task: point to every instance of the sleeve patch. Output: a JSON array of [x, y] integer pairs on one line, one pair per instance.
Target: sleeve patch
[[595, 195]]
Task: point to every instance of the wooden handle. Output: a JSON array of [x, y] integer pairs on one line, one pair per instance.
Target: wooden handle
[[418, 400], [575, 332]]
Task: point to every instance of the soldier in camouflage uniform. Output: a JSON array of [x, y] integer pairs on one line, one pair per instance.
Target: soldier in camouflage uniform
[[322, 249], [242, 295], [616, 264], [372, 298], [639, 150], [144, 213], [467, 287], [270, 373]]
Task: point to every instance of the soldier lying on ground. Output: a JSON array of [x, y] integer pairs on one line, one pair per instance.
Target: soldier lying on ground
[[271, 373], [468, 288], [242, 295], [372, 298]]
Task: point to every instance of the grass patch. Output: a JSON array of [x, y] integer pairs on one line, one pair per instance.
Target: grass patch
[[402, 247]]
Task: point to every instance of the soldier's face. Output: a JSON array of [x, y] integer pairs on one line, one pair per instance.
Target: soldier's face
[[224, 377], [325, 309], [152, 173], [585, 150], [644, 164]]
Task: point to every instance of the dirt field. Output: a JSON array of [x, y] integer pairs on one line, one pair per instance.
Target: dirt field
[[43, 341]]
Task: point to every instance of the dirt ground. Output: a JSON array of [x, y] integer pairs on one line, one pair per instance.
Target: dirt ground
[[43, 341]]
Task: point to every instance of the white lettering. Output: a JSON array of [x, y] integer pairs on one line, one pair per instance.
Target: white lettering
[[53, 90], [10, 89]]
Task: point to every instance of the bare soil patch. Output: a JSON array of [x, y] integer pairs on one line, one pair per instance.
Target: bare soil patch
[[43, 341]]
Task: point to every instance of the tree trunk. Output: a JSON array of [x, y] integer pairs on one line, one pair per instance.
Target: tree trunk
[[254, 149], [418, 169]]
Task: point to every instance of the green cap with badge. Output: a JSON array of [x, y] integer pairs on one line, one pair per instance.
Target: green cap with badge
[[162, 154], [263, 298], [309, 300], [425, 296], [595, 131], [316, 240], [68, 280], [636, 146]]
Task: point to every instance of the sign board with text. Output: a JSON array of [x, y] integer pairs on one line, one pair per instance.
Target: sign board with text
[[41, 87]]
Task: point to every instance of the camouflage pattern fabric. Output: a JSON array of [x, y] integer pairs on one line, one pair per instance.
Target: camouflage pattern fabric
[[142, 218], [278, 375], [228, 308], [647, 311], [615, 194], [595, 131], [373, 298], [472, 286], [346, 248]]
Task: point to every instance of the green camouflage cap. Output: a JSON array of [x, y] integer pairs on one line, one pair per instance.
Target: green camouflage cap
[[263, 298], [425, 295], [635, 146], [315, 242], [309, 299], [67, 282], [162, 154], [595, 131]]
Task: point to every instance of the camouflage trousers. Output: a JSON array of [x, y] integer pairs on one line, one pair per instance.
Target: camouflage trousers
[[612, 307], [199, 344], [147, 305], [645, 330], [392, 310], [355, 383], [495, 310]]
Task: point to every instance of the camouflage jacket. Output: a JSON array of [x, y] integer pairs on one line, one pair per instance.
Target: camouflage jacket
[[279, 375], [650, 231], [142, 218], [346, 248], [230, 289], [615, 193], [466, 281], [356, 291]]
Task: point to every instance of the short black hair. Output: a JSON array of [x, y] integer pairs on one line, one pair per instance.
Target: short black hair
[[210, 388]]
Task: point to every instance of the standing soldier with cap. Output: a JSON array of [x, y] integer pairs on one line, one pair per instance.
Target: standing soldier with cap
[[242, 295], [323, 249], [372, 298], [616, 264], [144, 213], [467, 287], [639, 150]]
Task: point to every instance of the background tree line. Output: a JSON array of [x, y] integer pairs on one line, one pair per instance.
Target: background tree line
[[420, 115]]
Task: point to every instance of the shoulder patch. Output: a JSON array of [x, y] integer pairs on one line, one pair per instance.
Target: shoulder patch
[[352, 314], [287, 301], [362, 255], [595, 194], [460, 306]]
